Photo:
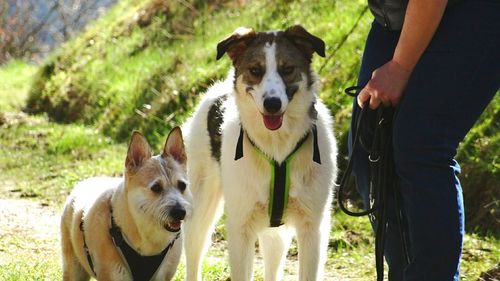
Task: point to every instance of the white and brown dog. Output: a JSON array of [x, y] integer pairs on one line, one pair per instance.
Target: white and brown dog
[[129, 229], [263, 141]]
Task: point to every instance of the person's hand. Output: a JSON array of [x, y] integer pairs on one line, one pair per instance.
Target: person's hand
[[386, 85]]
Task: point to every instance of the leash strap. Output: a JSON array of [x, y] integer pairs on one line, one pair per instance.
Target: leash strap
[[383, 178], [280, 177]]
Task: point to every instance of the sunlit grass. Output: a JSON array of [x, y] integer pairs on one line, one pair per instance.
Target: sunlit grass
[[43, 160], [116, 68], [15, 81]]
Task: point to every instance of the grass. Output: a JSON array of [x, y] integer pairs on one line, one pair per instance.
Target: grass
[[32, 268], [478, 156], [15, 75], [29, 259], [124, 73], [53, 158]]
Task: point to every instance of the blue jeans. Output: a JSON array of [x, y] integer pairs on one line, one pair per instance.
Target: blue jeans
[[455, 79]]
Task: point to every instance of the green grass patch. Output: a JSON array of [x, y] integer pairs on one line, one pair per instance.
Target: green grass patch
[[26, 253], [478, 156], [43, 160], [16, 78], [147, 74], [38, 269]]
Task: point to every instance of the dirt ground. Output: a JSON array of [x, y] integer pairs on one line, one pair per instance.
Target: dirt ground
[[27, 226]]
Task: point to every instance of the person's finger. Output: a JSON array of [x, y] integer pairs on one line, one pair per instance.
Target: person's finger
[[363, 96], [374, 102]]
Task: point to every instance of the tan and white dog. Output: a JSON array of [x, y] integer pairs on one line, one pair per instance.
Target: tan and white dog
[[129, 228], [260, 130]]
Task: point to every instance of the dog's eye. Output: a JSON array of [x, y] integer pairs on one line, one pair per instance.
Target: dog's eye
[[157, 188], [181, 185], [256, 71], [287, 70]]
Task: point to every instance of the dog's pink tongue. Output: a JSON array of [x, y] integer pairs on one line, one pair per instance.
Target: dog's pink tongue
[[273, 122], [175, 224]]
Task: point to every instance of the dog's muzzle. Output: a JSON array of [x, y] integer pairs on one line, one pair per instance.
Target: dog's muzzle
[[176, 215], [273, 117]]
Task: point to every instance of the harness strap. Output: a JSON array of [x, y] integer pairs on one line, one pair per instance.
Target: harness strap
[[141, 267], [86, 248], [316, 155], [280, 177]]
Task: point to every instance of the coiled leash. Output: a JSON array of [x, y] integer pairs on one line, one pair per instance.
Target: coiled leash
[[383, 178]]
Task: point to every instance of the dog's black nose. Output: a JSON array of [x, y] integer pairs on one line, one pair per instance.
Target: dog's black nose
[[272, 105], [178, 212]]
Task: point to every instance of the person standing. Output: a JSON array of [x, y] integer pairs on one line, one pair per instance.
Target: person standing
[[437, 63]]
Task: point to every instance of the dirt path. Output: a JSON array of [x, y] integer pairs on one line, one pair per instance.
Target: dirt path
[[27, 228]]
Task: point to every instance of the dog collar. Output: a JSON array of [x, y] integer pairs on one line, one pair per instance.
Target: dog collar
[[280, 177], [141, 267]]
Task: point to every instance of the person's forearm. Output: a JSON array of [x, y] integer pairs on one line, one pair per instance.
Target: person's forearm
[[421, 21]]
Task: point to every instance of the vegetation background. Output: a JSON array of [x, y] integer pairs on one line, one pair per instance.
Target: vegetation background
[[143, 65]]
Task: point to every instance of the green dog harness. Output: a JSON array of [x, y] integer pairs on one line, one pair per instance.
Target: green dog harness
[[280, 177]]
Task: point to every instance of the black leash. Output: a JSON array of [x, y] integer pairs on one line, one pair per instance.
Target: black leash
[[383, 178]]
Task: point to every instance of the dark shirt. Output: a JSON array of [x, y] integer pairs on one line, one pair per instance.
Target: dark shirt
[[391, 13]]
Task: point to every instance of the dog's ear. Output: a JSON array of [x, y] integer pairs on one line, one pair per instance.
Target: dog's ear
[[138, 151], [305, 41], [174, 146], [236, 43]]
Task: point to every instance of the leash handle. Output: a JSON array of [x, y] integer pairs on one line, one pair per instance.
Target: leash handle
[[382, 183], [353, 92], [343, 182]]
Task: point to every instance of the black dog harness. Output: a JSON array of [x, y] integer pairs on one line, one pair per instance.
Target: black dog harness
[[142, 268], [383, 178], [280, 178]]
